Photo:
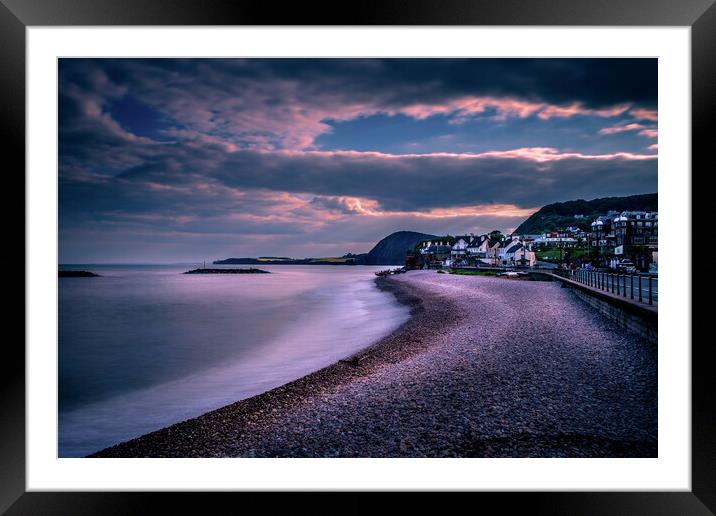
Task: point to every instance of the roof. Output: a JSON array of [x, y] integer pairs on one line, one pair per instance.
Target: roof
[[513, 248], [472, 240], [439, 249]]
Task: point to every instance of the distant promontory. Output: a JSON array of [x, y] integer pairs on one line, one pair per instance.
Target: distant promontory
[[77, 274], [389, 251]]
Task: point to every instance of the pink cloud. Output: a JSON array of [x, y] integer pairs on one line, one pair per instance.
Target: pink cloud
[[621, 128], [538, 154], [469, 106], [644, 114], [247, 109], [648, 131], [504, 108], [252, 112], [653, 146], [578, 109], [338, 206]]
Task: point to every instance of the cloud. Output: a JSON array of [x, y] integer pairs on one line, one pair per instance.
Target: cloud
[[621, 128], [221, 154], [344, 205], [272, 183], [649, 133], [578, 108], [644, 114], [464, 108], [286, 104]]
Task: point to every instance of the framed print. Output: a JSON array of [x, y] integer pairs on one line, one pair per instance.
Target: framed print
[[412, 251]]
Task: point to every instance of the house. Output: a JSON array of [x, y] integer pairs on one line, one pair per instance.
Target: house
[[430, 246], [517, 253], [574, 232], [438, 248], [461, 244], [493, 251], [509, 254], [506, 246], [476, 248], [547, 240], [458, 254], [601, 235], [479, 244], [523, 257], [528, 238], [435, 252], [636, 235], [637, 228]]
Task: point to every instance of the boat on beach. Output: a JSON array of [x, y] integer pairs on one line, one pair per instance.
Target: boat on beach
[[512, 274], [388, 272]]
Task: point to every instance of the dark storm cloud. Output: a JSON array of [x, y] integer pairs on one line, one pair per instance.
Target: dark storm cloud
[[526, 178], [595, 82], [284, 103], [410, 183]]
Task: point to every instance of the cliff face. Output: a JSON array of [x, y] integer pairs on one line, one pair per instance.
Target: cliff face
[[561, 214], [391, 250]]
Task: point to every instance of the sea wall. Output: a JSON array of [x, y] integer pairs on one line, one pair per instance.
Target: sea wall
[[629, 320], [637, 317]]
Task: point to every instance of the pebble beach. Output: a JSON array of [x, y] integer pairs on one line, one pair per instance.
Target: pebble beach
[[484, 367]]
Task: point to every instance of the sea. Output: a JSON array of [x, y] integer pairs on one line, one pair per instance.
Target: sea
[[144, 346]]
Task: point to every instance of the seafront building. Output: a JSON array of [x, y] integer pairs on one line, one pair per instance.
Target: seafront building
[[636, 237], [474, 250], [611, 239], [637, 228]]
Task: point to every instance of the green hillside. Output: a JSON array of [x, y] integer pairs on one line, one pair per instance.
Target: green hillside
[[562, 214]]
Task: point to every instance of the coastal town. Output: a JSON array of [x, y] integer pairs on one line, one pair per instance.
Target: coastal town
[[625, 241]]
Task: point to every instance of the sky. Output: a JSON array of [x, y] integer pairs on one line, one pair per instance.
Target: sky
[[184, 160]]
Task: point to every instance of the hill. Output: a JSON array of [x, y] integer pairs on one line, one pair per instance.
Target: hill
[[391, 250], [562, 214]]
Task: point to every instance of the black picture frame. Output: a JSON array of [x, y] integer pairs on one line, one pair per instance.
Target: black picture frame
[[17, 15]]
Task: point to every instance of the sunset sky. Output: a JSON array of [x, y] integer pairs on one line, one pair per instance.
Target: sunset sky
[[168, 160]]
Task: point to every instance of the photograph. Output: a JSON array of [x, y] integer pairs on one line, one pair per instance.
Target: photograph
[[332, 254], [358, 257]]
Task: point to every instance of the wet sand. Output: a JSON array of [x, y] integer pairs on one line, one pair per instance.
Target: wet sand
[[485, 367]]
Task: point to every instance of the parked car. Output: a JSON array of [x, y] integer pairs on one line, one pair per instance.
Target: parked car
[[626, 266]]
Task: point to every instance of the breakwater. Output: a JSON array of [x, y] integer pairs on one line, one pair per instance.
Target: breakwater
[[227, 271]]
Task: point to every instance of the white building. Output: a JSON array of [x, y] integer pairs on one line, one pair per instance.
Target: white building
[[555, 241]]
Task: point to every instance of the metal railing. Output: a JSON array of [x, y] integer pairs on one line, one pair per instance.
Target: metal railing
[[643, 288]]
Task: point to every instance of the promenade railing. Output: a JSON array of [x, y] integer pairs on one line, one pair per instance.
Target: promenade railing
[[639, 287], [643, 288]]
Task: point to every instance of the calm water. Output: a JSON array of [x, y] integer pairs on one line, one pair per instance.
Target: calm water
[[143, 347]]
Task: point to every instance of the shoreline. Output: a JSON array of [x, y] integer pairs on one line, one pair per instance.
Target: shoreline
[[484, 367], [177, 440]]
